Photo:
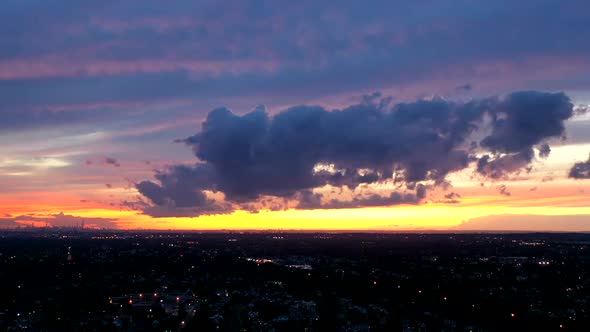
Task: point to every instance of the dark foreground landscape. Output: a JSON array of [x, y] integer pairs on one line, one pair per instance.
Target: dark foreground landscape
[[105, 281]]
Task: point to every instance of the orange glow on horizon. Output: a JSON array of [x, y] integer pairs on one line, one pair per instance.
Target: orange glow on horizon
[[425, 217], [552, 200]]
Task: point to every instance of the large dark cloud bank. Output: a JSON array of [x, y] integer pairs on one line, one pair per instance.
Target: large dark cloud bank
[[257, 157]]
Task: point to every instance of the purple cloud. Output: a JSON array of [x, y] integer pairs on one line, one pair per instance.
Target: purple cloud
[[134, 52], [112, 161], [305, 147]]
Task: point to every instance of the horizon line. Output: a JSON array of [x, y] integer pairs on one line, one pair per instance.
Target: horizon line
[[295, 231]]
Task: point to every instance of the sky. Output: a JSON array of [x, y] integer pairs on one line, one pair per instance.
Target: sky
[[295, 115]]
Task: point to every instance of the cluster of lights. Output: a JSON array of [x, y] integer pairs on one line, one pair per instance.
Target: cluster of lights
[[263, 261]]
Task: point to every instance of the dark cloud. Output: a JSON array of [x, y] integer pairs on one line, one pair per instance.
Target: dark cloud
[[525, 119], [111, 161], [500, 166], [181, 188], [580, 170], [519, 122], [451, 198], [255, 154], [305, 147], [211, 208], [581, 109], [309, 200], [154, 192], [373, 200], [106, 161], [452, 195], [503, 190], [544, 150], [465, 87]]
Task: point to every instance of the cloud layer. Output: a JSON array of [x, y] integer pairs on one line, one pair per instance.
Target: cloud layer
[[56, 220], [105, 51], [412, 146]]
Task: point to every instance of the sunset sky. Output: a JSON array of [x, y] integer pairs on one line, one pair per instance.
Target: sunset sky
[[332, 115]]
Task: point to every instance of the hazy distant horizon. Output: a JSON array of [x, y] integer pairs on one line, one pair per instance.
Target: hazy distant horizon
[[504, 223]]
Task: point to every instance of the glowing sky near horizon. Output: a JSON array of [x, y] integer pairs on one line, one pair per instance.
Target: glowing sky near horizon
[[98, 98]]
